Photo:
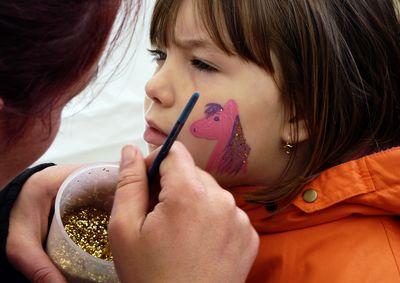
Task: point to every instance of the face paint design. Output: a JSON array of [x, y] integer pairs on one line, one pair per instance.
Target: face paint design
[[223, 124]]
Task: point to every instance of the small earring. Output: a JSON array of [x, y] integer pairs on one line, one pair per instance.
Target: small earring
[[288, 148]]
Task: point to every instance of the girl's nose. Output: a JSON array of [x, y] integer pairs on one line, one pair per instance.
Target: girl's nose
[[159, 89]]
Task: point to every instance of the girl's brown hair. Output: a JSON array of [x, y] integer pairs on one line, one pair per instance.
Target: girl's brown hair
[[48, 47], [340, 70]]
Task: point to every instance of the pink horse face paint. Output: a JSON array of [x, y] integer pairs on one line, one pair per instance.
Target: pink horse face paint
[[223, 124]]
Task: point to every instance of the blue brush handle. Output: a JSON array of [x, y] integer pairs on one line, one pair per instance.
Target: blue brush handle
[[155, 167]]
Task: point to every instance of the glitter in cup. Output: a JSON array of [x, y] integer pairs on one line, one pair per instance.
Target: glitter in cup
[[87, 227], [78, 241]]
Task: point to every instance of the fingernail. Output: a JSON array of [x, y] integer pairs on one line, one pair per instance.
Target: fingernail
[[128, 155]]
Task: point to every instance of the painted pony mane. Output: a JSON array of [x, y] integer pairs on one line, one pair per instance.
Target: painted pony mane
[[236, 152]]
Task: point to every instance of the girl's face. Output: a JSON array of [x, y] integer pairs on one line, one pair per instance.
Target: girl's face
[[237, 129]]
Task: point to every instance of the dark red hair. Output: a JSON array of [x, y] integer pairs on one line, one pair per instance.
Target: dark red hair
[[49, 46]]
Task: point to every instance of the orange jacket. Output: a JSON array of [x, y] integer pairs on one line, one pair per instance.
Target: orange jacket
[[350, 233]]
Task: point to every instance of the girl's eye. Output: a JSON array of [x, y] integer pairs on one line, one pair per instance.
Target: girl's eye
[[157, 54], [216, 118], [201, 66]]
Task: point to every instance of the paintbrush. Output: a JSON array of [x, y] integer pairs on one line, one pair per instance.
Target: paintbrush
[[153, 172]]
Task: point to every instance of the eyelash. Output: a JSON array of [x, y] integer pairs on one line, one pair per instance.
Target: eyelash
[[201, 66], [159, 55]]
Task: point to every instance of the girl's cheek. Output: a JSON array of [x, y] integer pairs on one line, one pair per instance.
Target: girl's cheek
[[221, 124]]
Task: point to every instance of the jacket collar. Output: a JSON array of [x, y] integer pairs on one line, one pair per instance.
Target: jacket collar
[[366, 186], [371, 173]]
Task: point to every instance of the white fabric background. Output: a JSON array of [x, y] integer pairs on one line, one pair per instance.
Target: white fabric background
[[97, 132]]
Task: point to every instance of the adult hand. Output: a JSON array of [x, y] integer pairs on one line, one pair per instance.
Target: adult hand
[[196, 233], [29, 224]]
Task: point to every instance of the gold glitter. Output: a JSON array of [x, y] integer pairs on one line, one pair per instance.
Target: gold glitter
[[87, 227]]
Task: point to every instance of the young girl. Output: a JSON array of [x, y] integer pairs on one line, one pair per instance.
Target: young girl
[[299, 118]]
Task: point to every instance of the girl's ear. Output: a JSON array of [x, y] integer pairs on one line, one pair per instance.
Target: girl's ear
[[290, 128], [231, 108]]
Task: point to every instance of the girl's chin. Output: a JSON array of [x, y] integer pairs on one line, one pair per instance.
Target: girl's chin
[[151, 147]]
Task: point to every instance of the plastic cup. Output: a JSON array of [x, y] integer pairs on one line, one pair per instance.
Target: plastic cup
[[92, 186]]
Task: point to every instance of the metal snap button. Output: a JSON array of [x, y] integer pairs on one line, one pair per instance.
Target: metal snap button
[[310, 195]]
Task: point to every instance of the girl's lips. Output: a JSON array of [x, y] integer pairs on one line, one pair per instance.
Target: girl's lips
[[153, 136]]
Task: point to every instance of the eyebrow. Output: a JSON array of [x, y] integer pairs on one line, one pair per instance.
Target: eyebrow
[[193, 43]]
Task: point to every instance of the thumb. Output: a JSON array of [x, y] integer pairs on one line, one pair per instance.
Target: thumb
[[131, 196]]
